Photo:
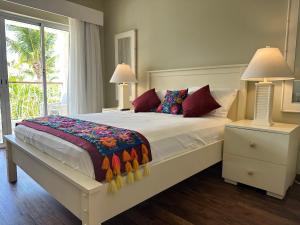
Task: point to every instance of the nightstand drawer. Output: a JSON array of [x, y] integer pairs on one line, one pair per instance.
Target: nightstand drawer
[[267, 176], [266, 146]]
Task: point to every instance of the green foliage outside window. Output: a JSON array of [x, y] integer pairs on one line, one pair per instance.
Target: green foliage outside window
[[26, 99]]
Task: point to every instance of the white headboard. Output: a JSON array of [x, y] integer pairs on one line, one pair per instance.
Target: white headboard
[[228, 76]]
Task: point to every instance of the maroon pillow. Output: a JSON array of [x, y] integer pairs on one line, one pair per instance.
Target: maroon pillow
[[147, 102], [199, 103]]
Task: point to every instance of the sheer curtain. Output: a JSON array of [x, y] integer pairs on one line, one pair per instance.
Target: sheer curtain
[[85, 84]]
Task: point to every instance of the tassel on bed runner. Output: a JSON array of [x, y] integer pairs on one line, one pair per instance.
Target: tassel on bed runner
[[105, 163], [112, 186], [145, 160], [126, 156], [135, 165], [128, 168], [116, 164]]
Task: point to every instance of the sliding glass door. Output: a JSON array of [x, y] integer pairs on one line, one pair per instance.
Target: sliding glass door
[[36, 61], [25, 70], [56, 58]]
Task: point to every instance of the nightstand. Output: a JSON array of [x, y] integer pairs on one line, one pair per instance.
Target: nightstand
[[110, 109], [114, 109], [263, 157]]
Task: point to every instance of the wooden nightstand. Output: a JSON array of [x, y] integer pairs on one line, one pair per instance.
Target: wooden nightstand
[[263, 157]]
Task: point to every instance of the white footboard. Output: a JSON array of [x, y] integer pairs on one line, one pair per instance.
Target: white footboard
[[87, 198], [71, 188]]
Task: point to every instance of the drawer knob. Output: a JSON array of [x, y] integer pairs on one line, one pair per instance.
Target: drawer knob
[[250, 173], [252, 145]]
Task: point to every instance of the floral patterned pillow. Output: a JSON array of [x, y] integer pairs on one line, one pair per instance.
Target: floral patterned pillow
[[172, 102]]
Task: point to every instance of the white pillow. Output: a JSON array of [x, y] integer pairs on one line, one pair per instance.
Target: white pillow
[[161, 94], [225, 97]]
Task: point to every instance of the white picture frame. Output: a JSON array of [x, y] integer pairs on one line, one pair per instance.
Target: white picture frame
[[128, 56]]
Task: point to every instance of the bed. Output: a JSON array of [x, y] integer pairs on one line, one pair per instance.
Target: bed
[[174, 141]]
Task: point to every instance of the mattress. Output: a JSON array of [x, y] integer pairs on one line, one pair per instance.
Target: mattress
[[168, 135]]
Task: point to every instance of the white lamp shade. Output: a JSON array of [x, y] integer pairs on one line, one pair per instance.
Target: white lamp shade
[[123, 74], [267, 63]]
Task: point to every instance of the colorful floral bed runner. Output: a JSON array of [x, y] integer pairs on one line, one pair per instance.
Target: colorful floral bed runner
[[113, 150]]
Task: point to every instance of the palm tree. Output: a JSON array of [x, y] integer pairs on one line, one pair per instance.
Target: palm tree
[[27, 45]]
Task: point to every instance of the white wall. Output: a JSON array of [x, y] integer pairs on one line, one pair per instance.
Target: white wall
[[191, 33]]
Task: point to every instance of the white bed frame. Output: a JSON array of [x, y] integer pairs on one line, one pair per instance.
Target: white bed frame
[[87, 198]]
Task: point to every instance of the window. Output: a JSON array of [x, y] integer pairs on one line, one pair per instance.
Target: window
[[36, 58]]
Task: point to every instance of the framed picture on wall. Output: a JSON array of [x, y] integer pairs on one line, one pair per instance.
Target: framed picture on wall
[[125, 52]]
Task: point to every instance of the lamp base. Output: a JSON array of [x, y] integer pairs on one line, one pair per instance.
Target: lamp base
[[124, 103], [263, 104]]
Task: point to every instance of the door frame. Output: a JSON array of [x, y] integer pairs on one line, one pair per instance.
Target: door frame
[[4, 93]]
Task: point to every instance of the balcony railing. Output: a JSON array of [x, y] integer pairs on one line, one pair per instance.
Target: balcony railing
[[33, 82], [27, 98]]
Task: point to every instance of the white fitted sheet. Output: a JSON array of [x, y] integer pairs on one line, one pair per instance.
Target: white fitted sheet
[[167, 134]]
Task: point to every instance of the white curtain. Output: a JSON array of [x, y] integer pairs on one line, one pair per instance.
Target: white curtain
[[85, 84]]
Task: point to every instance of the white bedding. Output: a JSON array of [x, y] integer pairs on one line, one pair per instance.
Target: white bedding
[[168, 135]]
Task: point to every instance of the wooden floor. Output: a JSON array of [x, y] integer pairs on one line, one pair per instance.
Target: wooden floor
[[202, 199]]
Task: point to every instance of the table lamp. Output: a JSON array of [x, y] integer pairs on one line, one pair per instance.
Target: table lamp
[[123, 75], [267, 65]]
